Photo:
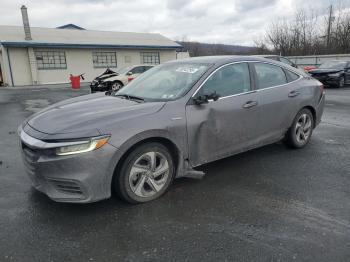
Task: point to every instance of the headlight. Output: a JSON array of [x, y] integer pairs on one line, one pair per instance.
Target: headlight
[[84, 146], [102, 84], [334, 75]]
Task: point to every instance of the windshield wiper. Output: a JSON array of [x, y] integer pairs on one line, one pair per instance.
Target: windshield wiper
[[133, 98]]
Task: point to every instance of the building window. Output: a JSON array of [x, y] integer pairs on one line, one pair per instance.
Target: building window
[[51, 59], [150, 58], [104, 59]]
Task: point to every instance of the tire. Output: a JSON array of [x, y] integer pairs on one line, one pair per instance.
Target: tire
[[299, 134], [341, 82], [140, 179], [116, 86]]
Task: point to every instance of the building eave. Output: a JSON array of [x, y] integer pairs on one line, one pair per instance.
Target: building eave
[[84, 46]]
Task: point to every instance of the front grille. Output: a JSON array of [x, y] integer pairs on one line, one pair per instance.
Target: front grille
[[67, 186]]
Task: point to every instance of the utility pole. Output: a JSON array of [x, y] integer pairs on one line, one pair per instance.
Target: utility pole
[[329, 25]]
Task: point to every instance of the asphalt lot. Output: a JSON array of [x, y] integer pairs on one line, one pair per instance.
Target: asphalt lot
[[269, 204]]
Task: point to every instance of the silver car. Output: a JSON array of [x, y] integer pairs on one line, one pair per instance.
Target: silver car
[[171, 119]]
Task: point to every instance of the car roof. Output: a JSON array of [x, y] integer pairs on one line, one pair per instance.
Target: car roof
[[141, 65], [218, 59], [267, 55], [221, 60]]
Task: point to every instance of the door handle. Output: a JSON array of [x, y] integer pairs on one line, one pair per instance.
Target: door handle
[[293, 93], [250, 104]]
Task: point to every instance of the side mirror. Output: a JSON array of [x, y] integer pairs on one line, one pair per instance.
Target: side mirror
[[199, 100], [213, 96], [129, 73], [204, 99]]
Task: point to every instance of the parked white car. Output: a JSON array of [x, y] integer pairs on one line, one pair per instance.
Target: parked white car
[[114, 81]]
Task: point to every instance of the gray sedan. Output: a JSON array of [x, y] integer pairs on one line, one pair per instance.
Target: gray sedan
[[173, 118]]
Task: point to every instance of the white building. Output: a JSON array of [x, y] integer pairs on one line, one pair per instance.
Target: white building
[[33, 55]]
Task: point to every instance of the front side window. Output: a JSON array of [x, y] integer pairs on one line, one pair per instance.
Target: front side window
[[165, 82], [229, 80], [269, 75], [150, 58], [104, 59], [51, 59]]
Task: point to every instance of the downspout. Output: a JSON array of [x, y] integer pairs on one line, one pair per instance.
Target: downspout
[[9, 61]]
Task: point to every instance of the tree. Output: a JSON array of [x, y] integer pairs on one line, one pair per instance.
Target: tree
[[305, 35]]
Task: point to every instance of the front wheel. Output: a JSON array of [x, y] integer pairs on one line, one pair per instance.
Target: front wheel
[[299, 134], [116, 86], [145, 174]]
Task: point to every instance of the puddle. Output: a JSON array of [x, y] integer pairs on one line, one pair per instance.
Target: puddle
[[35, 105]]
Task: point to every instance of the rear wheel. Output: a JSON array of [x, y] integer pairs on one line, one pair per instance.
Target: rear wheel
[[145, 174], [299, 134]]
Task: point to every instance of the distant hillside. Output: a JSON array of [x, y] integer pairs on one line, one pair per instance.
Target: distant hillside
[[203, 49]]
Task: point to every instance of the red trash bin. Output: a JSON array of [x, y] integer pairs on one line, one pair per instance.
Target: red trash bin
[[75, 81]]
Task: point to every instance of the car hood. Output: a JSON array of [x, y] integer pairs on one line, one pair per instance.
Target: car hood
[[87, 114], [324, 71], [105, 77]]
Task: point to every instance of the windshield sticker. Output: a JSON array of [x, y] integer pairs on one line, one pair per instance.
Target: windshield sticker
[[189, 70]]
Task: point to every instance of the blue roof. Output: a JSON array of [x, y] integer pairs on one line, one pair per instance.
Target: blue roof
[[70, 26], [63, 45]]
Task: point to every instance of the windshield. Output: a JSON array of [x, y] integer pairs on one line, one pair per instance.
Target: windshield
[[165, 82], [124, 70], [333, 65]]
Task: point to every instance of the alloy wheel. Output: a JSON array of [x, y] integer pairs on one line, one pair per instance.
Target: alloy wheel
[[303, 128], [116, 86], [149, 174]]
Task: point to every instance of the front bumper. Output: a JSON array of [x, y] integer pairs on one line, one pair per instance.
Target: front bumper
[[99, 87], [80, 178], [327, 80]]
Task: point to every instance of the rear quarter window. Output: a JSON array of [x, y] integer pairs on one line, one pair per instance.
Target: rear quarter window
[[291, 76], [269, 75]]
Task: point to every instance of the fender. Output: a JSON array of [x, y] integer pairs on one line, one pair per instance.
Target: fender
[[149, 134]]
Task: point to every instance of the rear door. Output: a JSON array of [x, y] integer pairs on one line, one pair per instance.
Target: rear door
[[220, 128], [278, 96]]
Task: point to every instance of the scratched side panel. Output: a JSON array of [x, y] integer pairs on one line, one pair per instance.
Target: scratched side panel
[[220, 128]]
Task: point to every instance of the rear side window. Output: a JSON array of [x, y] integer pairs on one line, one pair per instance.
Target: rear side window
[[291, 76], [137, 70], [145, 68], [228, 80], [269, 75], [286, 61]]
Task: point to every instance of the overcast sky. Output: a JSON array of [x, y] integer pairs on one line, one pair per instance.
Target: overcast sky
[[211, 21]]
